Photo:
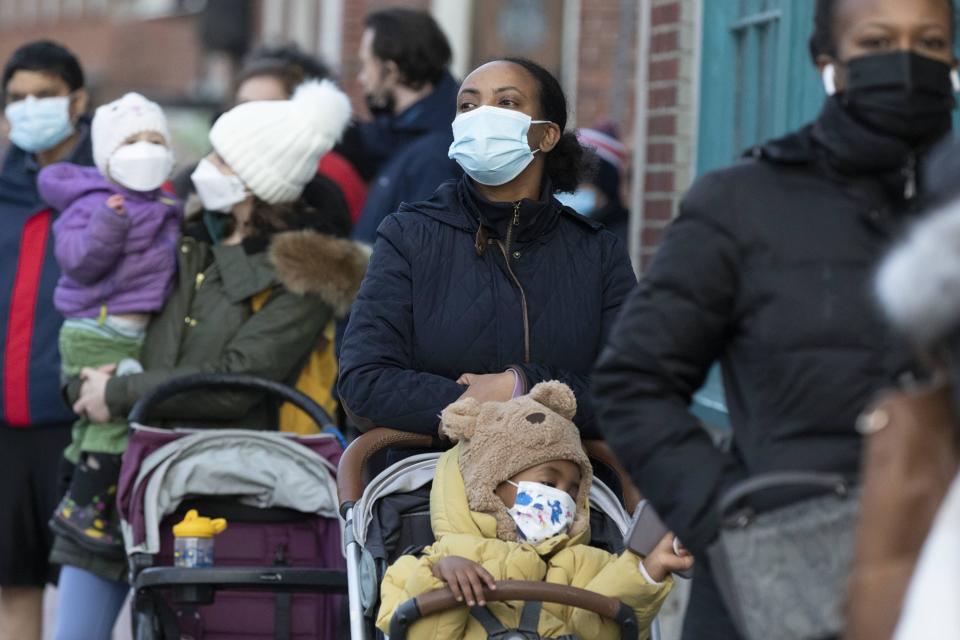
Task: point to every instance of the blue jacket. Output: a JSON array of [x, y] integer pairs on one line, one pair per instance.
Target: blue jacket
[[414, 146], [439, 300], [29, 324]]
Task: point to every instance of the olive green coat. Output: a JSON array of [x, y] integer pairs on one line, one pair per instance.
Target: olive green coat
[[208, 326]]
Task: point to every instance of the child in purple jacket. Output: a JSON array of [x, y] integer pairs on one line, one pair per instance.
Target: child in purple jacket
[[115, 241]]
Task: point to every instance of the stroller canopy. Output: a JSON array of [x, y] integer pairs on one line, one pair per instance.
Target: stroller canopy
[[259, 469]]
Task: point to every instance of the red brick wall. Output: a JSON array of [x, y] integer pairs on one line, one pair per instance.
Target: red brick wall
[[670, 118], [599, 21], [670, 121], [161, 58]]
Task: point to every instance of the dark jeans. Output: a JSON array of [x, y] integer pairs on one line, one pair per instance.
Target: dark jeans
[[707, 617]]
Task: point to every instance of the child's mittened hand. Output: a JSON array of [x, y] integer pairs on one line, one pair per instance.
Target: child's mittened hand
[[667, 558], [465, 578], [115, 202]]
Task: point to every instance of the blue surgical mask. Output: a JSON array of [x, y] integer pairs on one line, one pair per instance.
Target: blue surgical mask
[[490, 144], [39, 124], [583, 201]]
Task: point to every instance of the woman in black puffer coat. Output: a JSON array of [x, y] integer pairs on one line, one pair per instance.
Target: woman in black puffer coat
[[768, 269]]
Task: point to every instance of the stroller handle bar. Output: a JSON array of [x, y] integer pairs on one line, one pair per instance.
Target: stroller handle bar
[[443, 599], [351, 479], [233, 381]]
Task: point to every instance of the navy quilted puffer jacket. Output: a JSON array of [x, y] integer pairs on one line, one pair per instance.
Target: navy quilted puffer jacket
[[535, 286]]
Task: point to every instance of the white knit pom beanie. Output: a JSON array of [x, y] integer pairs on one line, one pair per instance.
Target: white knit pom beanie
[[115, 122], [275, 146]]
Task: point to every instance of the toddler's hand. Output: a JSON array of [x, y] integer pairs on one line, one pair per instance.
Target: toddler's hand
[[465, 578], [664, 559], [115, 202]]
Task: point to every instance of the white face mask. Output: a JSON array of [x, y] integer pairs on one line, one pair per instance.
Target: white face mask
[[541, 512], [490, 144], [141, 166], [217, 192]]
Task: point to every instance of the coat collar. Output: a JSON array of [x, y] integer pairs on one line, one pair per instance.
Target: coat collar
[[447, 206], [303, 262]]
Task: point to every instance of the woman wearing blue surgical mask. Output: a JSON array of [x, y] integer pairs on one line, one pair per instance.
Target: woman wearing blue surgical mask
[[769, 269], [492, 285]]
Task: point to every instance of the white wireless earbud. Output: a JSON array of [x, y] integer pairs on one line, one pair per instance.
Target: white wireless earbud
[[829, 79], [955, 80]]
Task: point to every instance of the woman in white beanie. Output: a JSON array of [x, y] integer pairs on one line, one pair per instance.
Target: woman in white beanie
[[257, 283]]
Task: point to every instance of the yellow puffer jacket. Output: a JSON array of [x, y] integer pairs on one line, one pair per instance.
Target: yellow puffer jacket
[[559, 560]]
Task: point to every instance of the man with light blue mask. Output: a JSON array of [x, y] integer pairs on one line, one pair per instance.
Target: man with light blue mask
[[44, 102]]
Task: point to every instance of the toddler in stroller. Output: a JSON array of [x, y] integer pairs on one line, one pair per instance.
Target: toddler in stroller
[[510, 502]]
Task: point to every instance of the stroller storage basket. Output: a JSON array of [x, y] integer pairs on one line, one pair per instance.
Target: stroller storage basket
[[271, 572]]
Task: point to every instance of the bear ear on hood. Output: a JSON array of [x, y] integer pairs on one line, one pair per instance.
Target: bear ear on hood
[[556, 396], [459, 420]]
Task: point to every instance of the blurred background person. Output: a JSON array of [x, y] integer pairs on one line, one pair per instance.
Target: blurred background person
[[272, 73], [45, 105], [600, 195], [404, 59]]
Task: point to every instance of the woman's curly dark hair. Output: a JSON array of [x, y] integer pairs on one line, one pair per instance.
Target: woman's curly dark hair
[[568, 162], [824, 40]]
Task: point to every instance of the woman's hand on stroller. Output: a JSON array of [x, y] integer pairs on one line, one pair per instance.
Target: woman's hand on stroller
[[465, 578], [669, 556]]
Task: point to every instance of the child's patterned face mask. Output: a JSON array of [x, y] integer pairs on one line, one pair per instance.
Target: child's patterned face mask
[[541, 512]]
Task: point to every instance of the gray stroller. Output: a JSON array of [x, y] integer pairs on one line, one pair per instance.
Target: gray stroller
[[389, 515]]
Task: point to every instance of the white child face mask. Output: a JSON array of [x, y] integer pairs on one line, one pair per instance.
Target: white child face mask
[[218, 192], [490, 144], [541, 512], [141, 166]]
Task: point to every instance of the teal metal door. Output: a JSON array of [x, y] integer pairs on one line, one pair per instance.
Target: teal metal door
[[757, 82]]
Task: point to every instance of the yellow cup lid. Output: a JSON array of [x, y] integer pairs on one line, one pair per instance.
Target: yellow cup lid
[[194, 525]]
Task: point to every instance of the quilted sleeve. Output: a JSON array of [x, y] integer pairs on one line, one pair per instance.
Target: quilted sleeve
[[379, 385], [89, 239]]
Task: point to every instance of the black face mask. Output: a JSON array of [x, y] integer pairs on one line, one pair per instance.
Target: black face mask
[[901, 94]]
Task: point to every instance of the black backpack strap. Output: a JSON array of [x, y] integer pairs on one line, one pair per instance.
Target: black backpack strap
[[281, 616], [530, 617], [487, 620], [529, 621]]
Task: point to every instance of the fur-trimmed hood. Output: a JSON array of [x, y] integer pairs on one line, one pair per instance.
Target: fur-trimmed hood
[[919, 282], [309, 262]]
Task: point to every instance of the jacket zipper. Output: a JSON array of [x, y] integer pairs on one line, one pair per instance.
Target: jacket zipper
[[505, 250], [910, 173]]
